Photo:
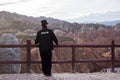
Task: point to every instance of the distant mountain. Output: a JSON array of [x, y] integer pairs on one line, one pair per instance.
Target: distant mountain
[[111, 22], [99, 17]]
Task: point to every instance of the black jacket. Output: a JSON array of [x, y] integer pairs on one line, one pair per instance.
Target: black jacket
[[45, 38]]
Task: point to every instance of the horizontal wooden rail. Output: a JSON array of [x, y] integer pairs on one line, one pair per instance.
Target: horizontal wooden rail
[[58, 46], [58, 61], [13, 45]]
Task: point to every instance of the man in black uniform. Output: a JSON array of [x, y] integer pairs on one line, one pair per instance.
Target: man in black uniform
[[45, 39]]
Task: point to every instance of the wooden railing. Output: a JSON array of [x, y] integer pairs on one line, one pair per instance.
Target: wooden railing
[[28, 61]]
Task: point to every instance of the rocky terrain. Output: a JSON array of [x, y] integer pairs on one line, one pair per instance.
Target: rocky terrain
[[24, 27], [9, 54]]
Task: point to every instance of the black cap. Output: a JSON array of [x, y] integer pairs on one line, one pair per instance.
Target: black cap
[[44, 22]]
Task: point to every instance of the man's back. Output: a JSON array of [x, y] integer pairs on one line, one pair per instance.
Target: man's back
[[45, 38]]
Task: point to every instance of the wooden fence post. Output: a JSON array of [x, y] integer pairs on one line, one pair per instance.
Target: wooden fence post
[[73, 59], [113, 56], [28, 56]]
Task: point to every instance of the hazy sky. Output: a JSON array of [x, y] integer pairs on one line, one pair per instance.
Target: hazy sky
[[61, 9]]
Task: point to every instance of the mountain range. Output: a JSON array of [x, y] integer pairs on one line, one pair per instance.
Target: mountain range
[[14, 21], [108, 18]]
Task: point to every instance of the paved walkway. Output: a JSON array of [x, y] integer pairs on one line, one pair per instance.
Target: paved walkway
[[62, 76]]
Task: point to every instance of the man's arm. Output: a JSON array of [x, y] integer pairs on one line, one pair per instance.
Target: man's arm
[[37, 38], [54, 38]]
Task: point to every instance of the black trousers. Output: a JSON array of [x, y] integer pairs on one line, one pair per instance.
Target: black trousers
[[46, 59]]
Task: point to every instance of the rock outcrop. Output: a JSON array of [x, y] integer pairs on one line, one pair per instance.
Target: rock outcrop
[[9, 54]]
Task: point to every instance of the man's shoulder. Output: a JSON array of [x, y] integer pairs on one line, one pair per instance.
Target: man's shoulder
[[39, 31], [49, 29]]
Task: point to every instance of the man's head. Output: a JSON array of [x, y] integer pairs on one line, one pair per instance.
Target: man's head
[[44, 23]]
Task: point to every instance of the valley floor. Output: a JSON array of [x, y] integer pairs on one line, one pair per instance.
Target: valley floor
[[62, 76]]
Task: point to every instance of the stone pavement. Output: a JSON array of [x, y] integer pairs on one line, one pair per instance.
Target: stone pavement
[[62, 76]]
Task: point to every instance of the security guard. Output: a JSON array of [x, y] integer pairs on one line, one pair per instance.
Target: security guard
[[45, 39]]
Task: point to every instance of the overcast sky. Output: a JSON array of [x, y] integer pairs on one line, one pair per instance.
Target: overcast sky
[[61, 9]]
